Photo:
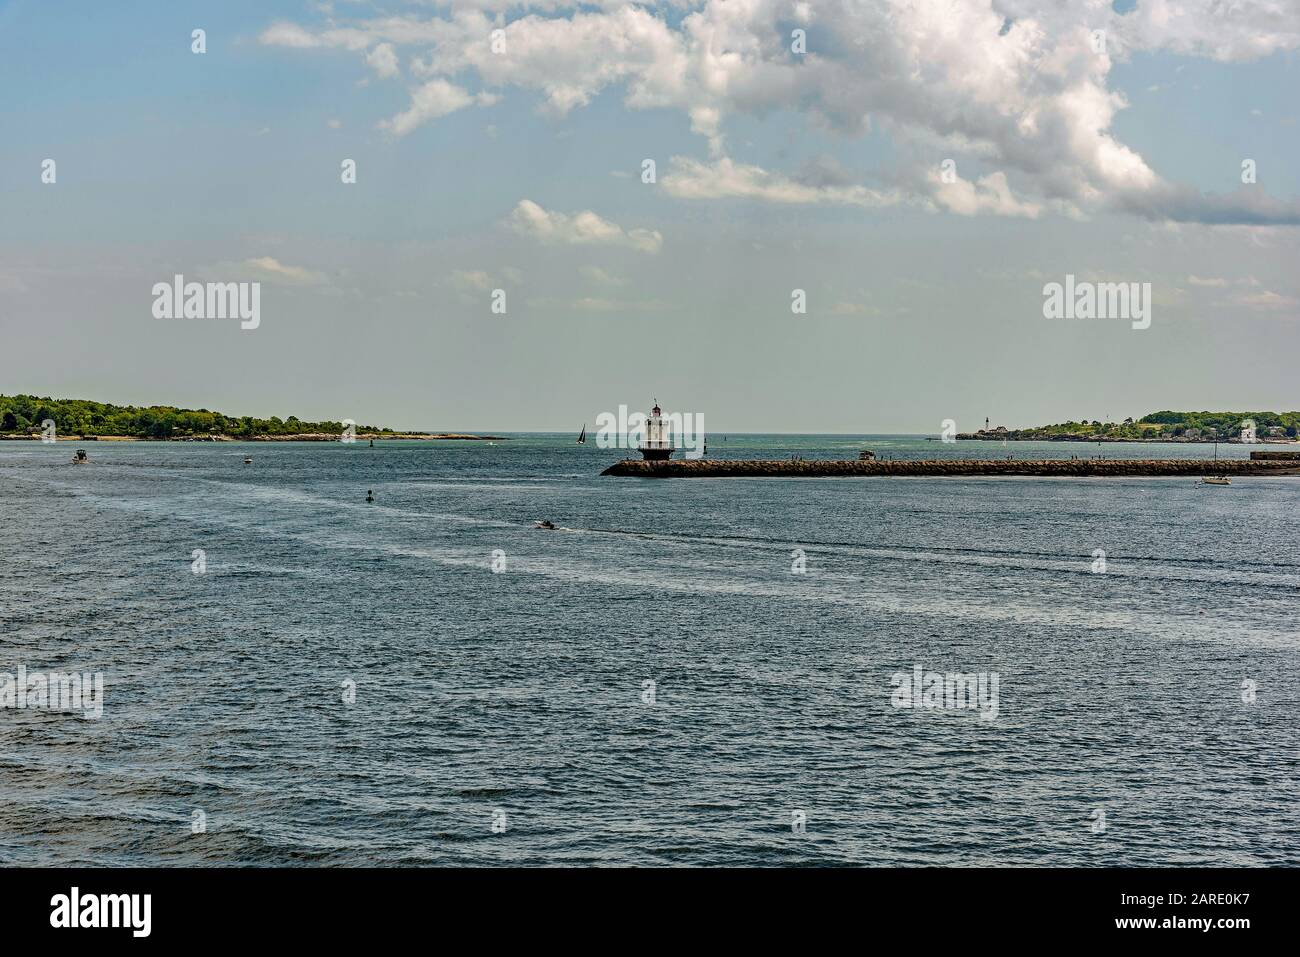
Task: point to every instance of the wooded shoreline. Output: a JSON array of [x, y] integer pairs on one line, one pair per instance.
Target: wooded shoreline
[[1068, 468], [303, 437]]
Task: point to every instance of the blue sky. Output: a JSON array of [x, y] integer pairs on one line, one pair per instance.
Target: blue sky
[[775, 173]]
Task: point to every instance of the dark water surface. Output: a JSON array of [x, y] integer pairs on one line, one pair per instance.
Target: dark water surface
[[523, 692]]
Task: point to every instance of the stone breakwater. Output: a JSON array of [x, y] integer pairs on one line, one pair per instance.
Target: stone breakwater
[[784, 468], [1276, 456]]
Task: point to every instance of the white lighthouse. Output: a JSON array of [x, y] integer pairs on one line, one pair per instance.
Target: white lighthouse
[[658, 442]]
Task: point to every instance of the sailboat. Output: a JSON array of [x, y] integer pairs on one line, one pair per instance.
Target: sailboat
[[582, 437], [1216, 479]]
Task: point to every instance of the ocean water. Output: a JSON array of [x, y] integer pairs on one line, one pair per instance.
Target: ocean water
[[508, 717]]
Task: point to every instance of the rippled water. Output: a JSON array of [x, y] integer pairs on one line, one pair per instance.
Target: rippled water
[[522, 693]]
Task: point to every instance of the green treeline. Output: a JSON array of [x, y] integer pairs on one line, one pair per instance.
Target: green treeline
[[23, 414], [1224, 423], [1174, 425]]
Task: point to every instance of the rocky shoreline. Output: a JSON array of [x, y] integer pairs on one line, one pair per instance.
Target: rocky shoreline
[[1071, 468]]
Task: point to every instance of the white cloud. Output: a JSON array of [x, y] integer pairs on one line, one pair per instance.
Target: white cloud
[[568, 59], [269, 268], [1028, 101], [428, 102], [383, 60], [1240, 30], [580, 229], [480, 280], [286, 34], [471, 279], [600, 276], [988, 194], [1269, 300], [598, 304], [726, 179]]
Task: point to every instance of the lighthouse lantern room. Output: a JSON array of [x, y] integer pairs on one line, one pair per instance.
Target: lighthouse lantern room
[[658, 443]]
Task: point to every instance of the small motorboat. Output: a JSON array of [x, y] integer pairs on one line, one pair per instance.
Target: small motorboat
[[545, 523], [80, 457], [248, 460]]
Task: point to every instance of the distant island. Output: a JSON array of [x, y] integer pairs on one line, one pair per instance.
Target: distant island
[[1157, 427], [23, 417]]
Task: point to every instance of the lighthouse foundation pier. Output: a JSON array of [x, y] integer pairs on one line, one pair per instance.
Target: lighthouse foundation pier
[[847, 468]]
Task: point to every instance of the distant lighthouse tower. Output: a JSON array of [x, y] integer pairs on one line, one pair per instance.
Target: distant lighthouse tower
[[658, 444]]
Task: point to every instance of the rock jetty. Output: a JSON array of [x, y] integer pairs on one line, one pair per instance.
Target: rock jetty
[[786, 468], [1276, 456]]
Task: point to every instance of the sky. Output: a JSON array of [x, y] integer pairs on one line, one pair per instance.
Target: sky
[[920, 170]]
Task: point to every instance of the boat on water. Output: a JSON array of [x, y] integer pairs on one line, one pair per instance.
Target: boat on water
[[370, 495], [545, 523], [582, 436], [80, 458], [248, 460], [1216, 479]]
